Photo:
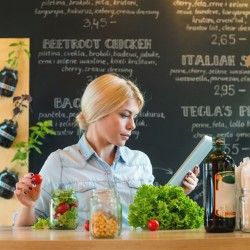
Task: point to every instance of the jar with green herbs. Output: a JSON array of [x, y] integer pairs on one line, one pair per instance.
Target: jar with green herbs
[[63, 209]]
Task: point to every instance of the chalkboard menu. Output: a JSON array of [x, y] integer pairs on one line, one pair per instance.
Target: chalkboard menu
[[190, 58]]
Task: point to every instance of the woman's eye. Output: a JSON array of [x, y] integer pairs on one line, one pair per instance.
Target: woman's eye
[[124, 115]]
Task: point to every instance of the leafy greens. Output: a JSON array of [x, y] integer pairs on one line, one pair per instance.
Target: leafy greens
[[169, 205], [41, 224], [67, 219]]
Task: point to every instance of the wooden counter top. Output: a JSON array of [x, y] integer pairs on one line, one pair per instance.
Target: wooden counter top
[[27, 238]]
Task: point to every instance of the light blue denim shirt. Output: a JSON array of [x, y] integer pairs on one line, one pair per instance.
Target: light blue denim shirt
[[79, 167]]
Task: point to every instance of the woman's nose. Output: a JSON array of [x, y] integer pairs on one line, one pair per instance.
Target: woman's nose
[[131, 124]]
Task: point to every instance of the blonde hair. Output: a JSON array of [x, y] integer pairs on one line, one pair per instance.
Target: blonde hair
[[105, 95]]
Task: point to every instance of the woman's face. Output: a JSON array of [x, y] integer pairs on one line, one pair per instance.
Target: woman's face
[[116, 128]]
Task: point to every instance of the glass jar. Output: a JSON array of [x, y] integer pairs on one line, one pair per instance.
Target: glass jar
[[119, 204], [105, 214], [245, 211], [63, 209], [8, 133], [8, 81], [8, 180]]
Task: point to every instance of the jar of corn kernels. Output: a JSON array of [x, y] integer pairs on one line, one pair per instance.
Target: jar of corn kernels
[[104, 214]]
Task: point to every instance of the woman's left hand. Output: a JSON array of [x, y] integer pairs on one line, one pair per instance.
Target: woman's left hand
[[190, 181]]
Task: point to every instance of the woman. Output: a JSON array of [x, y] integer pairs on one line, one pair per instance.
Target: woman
[[100, 160]]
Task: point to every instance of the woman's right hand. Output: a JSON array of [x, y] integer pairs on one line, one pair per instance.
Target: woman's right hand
[[27, 192]]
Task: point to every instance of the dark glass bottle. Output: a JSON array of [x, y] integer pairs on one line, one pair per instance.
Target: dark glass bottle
[[219, 189], [8, 133], [8, 180], [8, 81]]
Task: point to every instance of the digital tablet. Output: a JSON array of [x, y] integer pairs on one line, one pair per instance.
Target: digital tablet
[[195, 158]]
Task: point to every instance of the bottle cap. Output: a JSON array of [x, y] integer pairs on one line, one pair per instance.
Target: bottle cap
[[218, 141]]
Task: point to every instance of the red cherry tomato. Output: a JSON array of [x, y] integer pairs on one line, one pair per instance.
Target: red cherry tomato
[[37, 178], [56, 215], [86, 225], [73, 205], [153, 225], [62, 208]]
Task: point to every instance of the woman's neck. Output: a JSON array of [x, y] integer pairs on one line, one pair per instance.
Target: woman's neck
[[105, 151]]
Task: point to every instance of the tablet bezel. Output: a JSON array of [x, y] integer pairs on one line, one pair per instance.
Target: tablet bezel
[[195, 158]]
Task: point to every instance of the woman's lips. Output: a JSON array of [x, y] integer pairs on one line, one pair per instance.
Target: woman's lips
[[125, 137]]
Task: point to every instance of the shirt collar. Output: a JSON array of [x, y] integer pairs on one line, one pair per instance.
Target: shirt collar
[[120, 155], [87, 151]]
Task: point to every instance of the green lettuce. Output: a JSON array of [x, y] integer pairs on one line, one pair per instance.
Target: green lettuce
[[67, 220], [169, 205], [41, 224]]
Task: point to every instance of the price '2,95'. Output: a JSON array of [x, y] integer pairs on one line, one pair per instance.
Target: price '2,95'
[[224, 90]]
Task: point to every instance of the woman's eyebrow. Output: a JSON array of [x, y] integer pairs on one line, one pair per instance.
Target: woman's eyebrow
[[129, 111]]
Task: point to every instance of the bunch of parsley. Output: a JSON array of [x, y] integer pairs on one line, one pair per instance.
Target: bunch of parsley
[[169, 205]]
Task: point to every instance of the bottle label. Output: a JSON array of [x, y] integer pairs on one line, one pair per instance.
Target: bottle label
[[7, 135], [225, 193], [6, 186], [6, 86]]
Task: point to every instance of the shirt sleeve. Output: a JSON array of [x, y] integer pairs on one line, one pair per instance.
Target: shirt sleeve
[[148, 170]]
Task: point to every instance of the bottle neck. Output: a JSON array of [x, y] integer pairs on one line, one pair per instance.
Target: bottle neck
[[218, 144], [219, 148]]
